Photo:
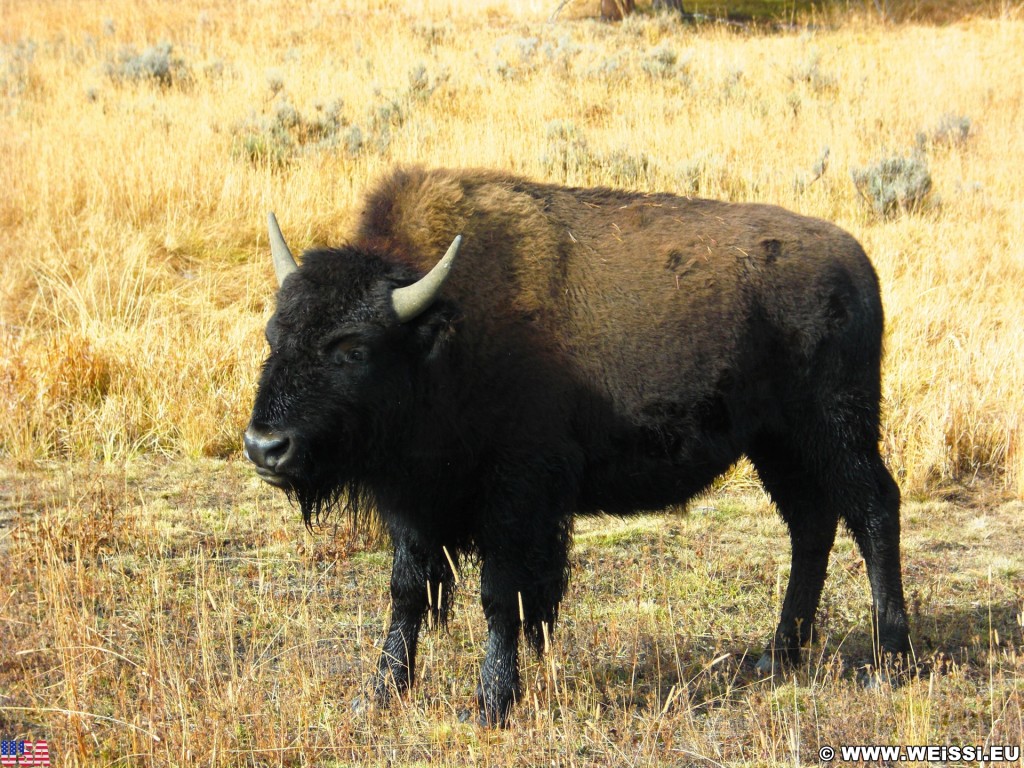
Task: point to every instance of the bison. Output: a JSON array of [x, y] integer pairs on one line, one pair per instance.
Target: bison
[[575, 351]]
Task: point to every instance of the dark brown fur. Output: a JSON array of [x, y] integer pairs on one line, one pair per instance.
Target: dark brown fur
[[592, 350]]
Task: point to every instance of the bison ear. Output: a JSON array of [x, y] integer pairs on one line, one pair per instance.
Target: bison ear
[[436, 329]]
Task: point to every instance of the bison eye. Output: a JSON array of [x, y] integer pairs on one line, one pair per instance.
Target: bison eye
[[348, 351], [356, 355]]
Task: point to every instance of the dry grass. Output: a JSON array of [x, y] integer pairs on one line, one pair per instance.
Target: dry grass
[[167, 615], [170, 602], [133, 270]]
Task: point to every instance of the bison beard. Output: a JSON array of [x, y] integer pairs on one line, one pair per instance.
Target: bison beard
[[585, 351]]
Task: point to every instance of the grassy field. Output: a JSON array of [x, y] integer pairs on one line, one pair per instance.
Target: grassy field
[[158, 615], [159, 606]]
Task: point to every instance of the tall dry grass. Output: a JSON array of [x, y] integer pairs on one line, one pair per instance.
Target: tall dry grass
[[133, 273], [168, 618]]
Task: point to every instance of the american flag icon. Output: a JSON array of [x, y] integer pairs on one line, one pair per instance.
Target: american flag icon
[[21, 753]]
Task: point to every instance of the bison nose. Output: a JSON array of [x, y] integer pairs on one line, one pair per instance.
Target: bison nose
[[268, 450]]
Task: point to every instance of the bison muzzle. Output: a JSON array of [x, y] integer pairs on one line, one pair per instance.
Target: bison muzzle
[[576, 351]]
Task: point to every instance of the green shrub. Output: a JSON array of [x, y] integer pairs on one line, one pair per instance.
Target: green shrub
[[278, 138], [156, 64], [565, 150], [810, 73], [895, 185], [16, 67], [660, 62], [952, 131], [629, 170]]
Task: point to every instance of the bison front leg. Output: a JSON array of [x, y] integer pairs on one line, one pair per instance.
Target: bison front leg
[[499, 685], [523, 579], [421, 581]]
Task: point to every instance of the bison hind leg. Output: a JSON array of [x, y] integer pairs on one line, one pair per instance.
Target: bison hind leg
[[802, 501], [816, 478], [871, 512]]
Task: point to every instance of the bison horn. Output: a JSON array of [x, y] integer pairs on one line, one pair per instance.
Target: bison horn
[[284, 262], [412, 300]]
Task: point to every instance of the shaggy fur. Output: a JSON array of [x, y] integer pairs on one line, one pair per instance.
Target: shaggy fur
[[592, 350]]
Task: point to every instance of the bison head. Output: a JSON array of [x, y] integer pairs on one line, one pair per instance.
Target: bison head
[[348, 342]]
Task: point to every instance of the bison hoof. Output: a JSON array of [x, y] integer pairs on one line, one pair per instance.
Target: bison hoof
[[385, 690], [384, 693], [389, 682], [494, 709], [774, 662], [894, 670]]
